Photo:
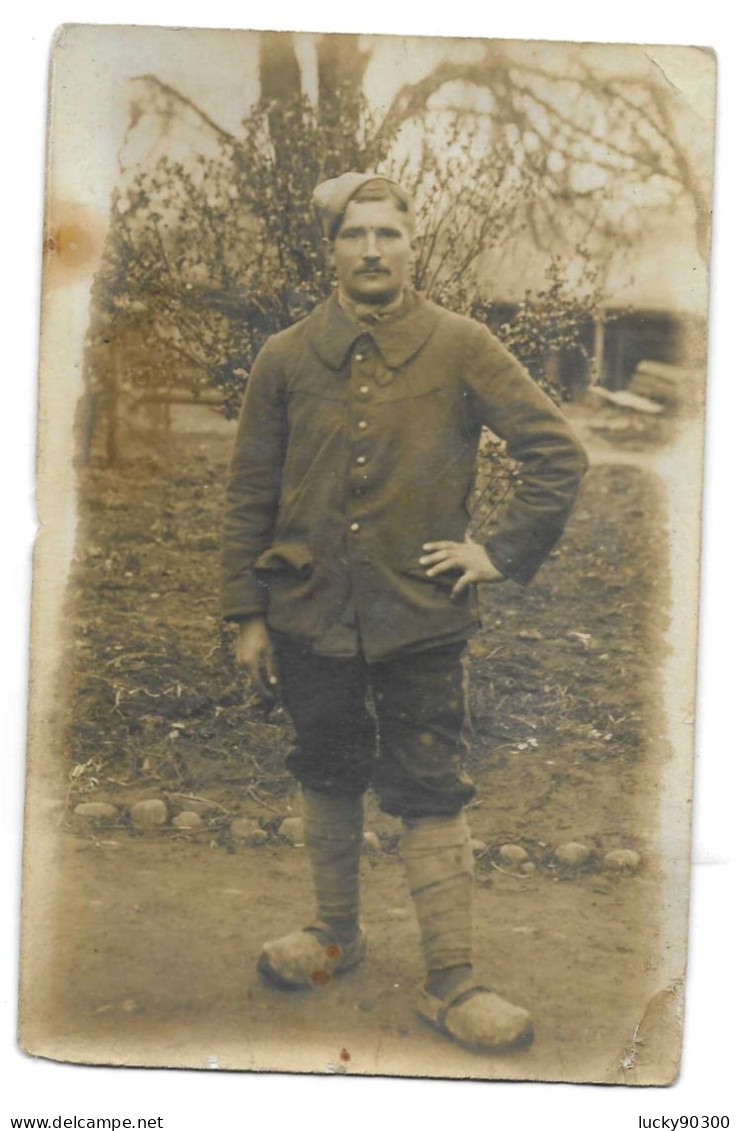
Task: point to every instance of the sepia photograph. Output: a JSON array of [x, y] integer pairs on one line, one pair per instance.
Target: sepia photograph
[[365, 598]]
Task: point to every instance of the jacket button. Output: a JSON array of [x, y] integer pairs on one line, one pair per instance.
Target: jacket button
[[354, 527], [362, 424], [364, 389], [359, 357], [361, 460]]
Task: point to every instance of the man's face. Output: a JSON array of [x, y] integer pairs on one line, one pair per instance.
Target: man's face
[[373, 251]]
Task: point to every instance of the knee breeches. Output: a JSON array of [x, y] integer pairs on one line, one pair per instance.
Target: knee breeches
[[397, 726]]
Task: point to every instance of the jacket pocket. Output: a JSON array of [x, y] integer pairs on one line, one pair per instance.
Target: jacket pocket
[[285, 557]]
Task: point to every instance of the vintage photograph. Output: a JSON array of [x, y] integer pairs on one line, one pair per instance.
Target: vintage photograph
[[366, 591]]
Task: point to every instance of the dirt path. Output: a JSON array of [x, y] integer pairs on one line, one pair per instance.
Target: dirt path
[[163, 969], [155, 937]]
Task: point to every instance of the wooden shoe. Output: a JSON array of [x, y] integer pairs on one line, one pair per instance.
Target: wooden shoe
[[477, 1018], [309, 957]]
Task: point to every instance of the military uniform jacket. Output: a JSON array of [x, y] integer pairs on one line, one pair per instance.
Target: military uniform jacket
[[356, 446]]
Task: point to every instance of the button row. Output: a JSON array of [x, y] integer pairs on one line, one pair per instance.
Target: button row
[[362, 425]]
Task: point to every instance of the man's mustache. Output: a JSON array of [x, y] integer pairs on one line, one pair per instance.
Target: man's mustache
[[372, 271]]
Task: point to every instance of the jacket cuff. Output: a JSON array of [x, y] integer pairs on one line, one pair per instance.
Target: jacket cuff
[[247, 598], [521, 563]]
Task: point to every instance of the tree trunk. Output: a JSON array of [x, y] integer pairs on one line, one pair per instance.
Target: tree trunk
[[341, 67], [279, 70]]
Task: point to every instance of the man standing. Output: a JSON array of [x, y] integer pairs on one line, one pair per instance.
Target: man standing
[[347, 565]]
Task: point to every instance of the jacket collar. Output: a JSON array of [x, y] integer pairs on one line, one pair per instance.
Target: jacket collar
[[333, 332]]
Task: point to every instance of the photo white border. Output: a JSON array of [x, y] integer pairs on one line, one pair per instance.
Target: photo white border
[[198, 1100]]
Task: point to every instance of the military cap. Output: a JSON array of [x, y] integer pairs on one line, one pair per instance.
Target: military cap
[[331, 197]]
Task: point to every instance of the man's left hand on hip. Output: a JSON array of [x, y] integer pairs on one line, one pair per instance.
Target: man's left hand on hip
[[469, 557]]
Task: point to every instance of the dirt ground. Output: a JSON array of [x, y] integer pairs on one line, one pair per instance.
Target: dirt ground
[[153, 937]]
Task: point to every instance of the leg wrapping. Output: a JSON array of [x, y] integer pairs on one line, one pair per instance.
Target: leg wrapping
[[333, 827], [438, 859]]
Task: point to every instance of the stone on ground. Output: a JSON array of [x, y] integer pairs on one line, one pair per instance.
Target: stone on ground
[[478, 846], [151, 814], [622, 860], [188, 819], [248, 830], [96, 811], [513, 854], [572, 854]]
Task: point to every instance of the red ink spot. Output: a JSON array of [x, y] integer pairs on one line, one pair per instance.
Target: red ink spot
[[50, 244], [319, 977], [332, 951], [345, 1055]]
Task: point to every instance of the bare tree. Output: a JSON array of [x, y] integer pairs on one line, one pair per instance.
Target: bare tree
[[585, 137], [208, 254]]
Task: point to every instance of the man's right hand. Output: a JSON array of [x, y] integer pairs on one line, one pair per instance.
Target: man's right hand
[[254, 652]]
